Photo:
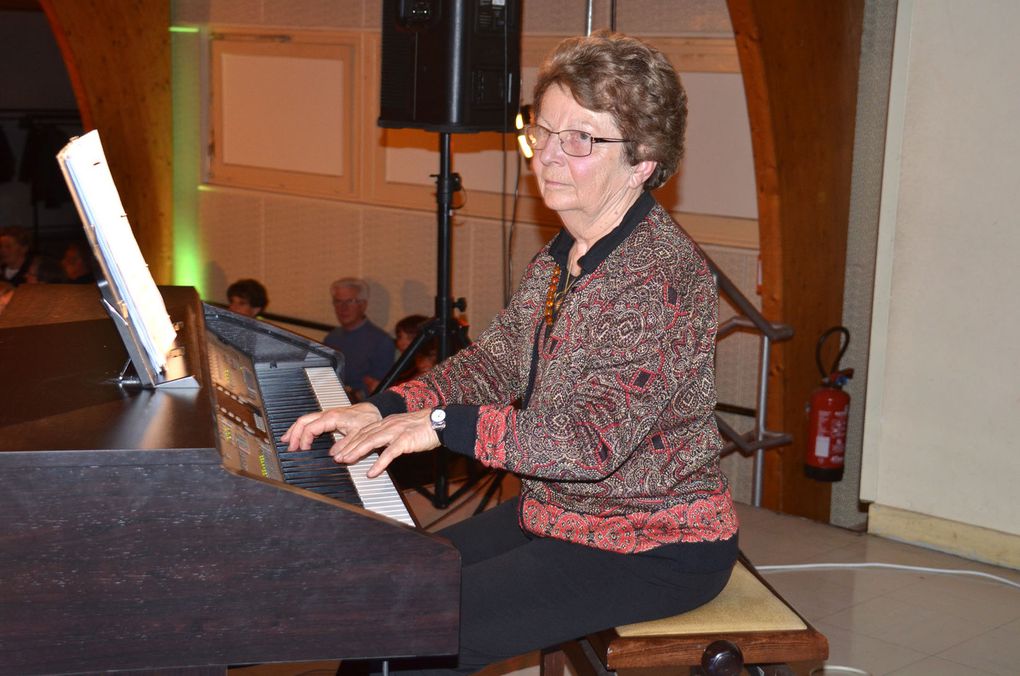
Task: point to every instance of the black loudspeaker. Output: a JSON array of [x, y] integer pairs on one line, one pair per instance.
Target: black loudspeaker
[[450, 65]]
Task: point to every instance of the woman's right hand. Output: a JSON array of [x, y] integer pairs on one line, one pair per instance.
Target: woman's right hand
[[345, 420]]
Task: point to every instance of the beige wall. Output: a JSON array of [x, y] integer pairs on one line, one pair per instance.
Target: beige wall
[[943, 396]]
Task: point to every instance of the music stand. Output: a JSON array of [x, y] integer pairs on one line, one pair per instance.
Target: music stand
[[129, 294]]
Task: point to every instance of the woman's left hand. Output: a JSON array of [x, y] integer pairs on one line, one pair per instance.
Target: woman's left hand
[[395, 435]]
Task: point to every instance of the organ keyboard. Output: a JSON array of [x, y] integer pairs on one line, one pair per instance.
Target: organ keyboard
[[265, 379], [379, 494]]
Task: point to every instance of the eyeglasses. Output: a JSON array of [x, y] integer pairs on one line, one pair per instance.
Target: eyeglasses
[[574, 142], [347, 301]]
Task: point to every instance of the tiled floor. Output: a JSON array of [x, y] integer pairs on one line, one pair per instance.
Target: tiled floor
[[889, 621], [877, 621]]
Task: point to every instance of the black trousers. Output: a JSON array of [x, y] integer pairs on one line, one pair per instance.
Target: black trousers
[[520, 593]]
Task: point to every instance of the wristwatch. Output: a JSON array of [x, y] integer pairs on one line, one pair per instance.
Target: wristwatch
[[438, 420]]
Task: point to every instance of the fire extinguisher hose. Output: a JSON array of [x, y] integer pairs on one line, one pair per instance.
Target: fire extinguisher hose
[[831, 373]]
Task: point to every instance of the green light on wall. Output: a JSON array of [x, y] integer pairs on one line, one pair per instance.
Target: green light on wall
[[188, 263]]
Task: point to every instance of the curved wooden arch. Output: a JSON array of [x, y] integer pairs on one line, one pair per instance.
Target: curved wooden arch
[[799, 60], [117, 56]]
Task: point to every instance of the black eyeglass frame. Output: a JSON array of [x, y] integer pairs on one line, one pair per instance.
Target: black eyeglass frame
[[528, 135]]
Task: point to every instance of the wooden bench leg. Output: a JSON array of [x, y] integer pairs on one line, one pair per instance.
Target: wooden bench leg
[[580, 655], [553, 662]]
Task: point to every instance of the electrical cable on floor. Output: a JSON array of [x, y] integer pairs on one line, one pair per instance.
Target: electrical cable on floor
[[889, 566], [836, 669]]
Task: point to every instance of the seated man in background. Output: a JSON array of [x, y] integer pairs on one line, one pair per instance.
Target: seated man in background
[[367, 349], [247, 297]]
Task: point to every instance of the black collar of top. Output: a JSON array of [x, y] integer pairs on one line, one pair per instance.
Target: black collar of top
[[560, 247]]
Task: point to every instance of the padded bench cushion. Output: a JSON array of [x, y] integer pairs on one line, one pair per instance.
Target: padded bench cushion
[[744, 605]]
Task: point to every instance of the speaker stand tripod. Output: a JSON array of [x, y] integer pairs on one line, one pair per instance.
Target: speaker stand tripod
[[450, 334]]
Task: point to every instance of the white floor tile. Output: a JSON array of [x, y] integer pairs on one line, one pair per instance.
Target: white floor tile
[[924, 630], [996, 651], [985, 603], [850, 649], [936, 666], [816, 595]]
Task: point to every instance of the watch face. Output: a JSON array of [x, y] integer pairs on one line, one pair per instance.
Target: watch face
[[438, 416]]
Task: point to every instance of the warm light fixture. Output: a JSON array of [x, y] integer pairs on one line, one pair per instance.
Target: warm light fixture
[[523, 119]]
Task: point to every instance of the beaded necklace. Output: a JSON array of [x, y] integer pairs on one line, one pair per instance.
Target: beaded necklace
[[554, 297]]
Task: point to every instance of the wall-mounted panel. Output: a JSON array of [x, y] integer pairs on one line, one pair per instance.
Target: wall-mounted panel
[[285, 112]]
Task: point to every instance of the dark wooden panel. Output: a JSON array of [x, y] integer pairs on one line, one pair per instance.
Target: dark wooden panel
[[183, 564]]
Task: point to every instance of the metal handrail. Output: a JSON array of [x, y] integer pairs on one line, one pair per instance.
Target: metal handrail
[[760, 438]]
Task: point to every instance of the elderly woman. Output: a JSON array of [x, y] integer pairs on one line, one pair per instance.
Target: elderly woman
[[595, 385]]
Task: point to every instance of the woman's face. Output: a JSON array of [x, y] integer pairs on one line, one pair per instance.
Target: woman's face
[[580, 186]]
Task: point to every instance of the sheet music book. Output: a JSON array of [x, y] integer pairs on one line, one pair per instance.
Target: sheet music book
[[128, 289]]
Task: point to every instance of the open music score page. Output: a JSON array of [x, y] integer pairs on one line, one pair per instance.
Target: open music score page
[[136, 298]]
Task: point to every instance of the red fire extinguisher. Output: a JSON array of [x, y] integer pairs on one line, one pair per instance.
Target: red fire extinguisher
[[827, 415]]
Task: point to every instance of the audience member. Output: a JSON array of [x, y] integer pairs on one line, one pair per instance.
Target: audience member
[[77, 263], [15, 243], [247, 297], [367, 349], [406, 330], [44, 270]]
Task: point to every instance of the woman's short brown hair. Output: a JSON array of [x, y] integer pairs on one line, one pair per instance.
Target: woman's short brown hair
[[633, 82]]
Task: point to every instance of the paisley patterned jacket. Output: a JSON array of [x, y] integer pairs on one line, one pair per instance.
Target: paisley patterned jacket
[[607, 413]]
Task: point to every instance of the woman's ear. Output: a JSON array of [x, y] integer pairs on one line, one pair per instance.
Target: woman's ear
[[641, 171]]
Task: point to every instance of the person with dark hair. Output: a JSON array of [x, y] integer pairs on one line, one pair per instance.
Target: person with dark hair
[[77, 263], [427, 354], [595, 385], [407, 330], [15, 248], [247, 297]]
